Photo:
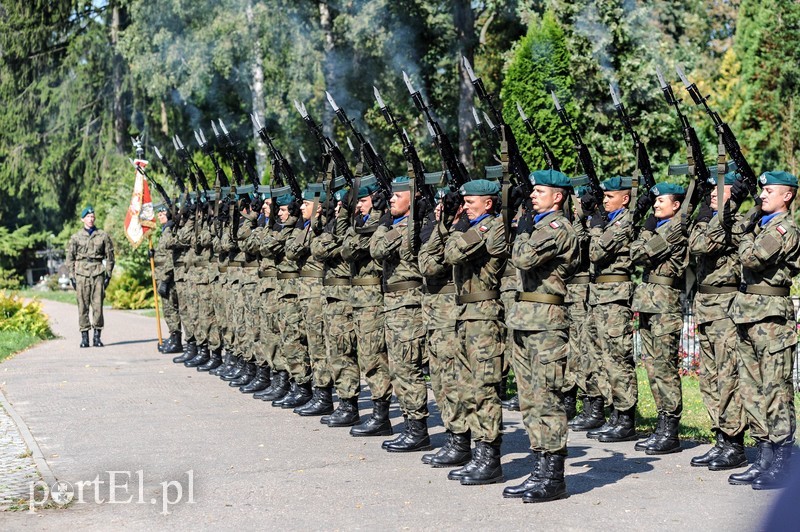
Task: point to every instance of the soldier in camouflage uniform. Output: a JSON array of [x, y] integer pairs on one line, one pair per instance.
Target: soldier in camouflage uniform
[[199, 277], [769, 252], [718, 277], [477, 248], [609, 325], [180, 256], [162, 258], [662, 250], [86, 251], [405, 328], [366, 300], [222, 292], [546, 252]]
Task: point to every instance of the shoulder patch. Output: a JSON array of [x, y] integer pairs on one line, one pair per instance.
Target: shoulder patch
[[483, 229], [618, 223], [781, 229], [554, 225]]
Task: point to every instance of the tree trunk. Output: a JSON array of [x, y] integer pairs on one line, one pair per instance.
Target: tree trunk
[[326, 23], [119, 19], [257, 89], [464, 21]]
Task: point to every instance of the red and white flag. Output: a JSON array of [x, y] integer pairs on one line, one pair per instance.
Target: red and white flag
[[140, 217]]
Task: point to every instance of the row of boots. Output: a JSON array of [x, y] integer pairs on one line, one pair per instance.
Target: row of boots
[[479, 465]]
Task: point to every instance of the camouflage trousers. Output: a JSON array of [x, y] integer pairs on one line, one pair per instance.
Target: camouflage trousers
[[719, 376], [540, 360], [247, 331], [765, 377], [472, 376], [269, 336], [610, 334], [343, 364], [508, 298], [373, 360], [661, 338], [229, 297], [293, 337], [316, 342], [405, 336], [204, 314], [188, 307], [90, 294], [170, 311], [441, 346], [218, 304], [575, 375]]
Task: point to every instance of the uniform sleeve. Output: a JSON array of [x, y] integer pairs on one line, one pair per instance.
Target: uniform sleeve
[[431, 255], [384, 243], [607, 243], [534, 249], [71, 252], [325, 247], [296, 248], [109, 245], [758, 253]]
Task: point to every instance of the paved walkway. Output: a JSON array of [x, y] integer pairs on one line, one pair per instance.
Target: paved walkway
[[125, 415]]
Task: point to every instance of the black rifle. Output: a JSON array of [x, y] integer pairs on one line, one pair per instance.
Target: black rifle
[[696, 164], [206, 148], [156, 184], [171, 171], [549, 158], [282, 171], [328, 147], [241, 157], [642, 157], [729, 141], [457, 172], [228, 150], [584, 156], [195, 173]]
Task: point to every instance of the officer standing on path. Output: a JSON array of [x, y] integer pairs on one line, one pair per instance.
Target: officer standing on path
[[86, 251], [166, 284]]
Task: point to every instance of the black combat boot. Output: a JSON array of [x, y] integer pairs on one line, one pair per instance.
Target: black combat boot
[[707, 457], [625, 429], [173, 344], [667, 442], [778, 474], [84, 338], [551, 485], [214, 360], [189, 352], [592, 416], [227, 362], [469, 467], [236, 370], [346, 414], [248, 373], [489, 470], [96, 340], [416, 438], [200, 358], [516, 492], [288, 395], [377, 424], [731, 455], [277, 389], [301, 395], [321, 403], [511, 404], [571, 402], [644, 444], [426, 458], [259, 382], [400, 437], [757, 468], [456, 452], [605, 427]]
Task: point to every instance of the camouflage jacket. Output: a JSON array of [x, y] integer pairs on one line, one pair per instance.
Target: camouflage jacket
[[577, 291], [355, 249], [86, 253], [169, 239], [253, 237], [546, 258], [400, 264], [327, 249], [163, 257], [478, 257], [658, 257], [770, 256], [717, 265], [439, 310], [609, 253]]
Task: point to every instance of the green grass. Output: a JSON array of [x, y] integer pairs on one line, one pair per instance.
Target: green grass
[[61, 297], [13, 342]]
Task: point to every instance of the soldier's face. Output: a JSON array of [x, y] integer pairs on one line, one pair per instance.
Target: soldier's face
[[266, 207], [776, 198], [714, 200], [616, 199], [477, 206], [364, 204], [307, 209], [162, 217], [88, 220], [283, 213], [545, 199], [665, 207], [400, 203]]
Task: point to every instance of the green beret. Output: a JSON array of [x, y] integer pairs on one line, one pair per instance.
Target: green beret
[[777, 177], [730, 177], [309, 195], [87, 210], [366, 190], [616, 183], [340, 194], [442, 192], [283, 200], [480, 187], [581, 190], [671, 189], [400, 184], [550, 178], [161, 207]]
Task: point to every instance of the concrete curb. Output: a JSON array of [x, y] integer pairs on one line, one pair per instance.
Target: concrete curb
[[30, 442]]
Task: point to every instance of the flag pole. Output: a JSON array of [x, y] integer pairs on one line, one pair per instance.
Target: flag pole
[[151, 253]]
